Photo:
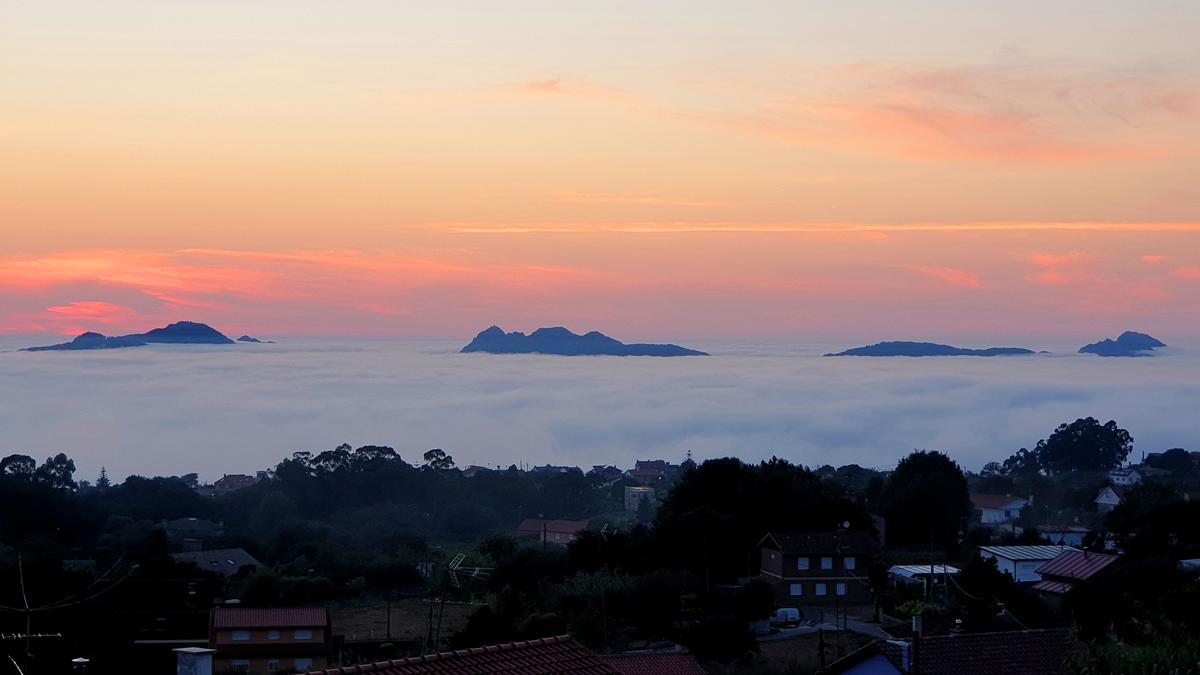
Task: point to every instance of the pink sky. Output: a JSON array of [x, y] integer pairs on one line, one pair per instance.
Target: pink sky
[[926, 170]]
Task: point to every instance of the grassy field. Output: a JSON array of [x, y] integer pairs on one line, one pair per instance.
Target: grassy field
[[368, 621]]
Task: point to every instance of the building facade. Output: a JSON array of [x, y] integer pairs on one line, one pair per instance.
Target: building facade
[[265, 641], [818, 568]]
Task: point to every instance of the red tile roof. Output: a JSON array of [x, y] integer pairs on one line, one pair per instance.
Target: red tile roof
[[547, 656], [281, 617], [1029, 652], [1077, 565], [667, 663], [1060, 573]]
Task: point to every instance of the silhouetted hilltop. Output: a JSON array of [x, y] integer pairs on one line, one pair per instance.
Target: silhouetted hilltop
[[563, 342], [247, 338], [182, 332], [1128, 343], [899, 348]]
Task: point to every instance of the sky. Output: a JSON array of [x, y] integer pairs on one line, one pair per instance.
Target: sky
[[170, 410], [984, 171]]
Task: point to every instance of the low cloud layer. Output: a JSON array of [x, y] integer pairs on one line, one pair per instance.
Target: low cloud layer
[[214, 410]]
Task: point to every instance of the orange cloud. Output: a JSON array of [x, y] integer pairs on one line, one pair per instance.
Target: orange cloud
[[950, 275], [589, 199], [1155, 259], [1058, 269], [1188, 273]]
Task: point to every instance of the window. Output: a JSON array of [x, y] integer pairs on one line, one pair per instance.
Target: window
[[850, 562], [822, 589], [826, 563], [240, 665], [802, 564], [241, 635], [797, 589], [840, 589], [304, 634], [303, 665], [272, 635], [272, 665]]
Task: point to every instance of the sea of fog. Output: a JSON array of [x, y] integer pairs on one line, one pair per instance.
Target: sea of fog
[[160, 409]]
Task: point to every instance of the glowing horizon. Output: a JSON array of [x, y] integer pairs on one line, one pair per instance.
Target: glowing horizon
[[664, 170]]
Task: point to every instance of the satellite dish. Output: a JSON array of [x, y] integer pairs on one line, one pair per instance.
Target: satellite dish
[[845, 524]]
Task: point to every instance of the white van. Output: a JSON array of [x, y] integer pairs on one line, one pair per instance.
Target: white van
[[786, 616]]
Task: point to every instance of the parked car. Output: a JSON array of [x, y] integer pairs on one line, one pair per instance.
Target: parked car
[[788, 617]]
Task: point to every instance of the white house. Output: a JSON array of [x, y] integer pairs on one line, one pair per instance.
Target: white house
[[998, 508], [1108, 499], [1125, 476], [1021, 562]]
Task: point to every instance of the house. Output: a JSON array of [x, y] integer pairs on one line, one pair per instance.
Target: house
[[605, 474], [249, 640], [920, 575], [653, 471], [1021, 562], [1109, 498], [1028, 652], [560, 532], [634, 494], [544, 656], [234, 481], [474, 470], [818, 568], [1061, 574], [995, 509], [192, 528], [550, 468], [224, 561], [1065, 535]]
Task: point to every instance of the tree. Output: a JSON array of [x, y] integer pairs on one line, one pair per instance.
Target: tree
[[438, 460], [57, 472], [926, 500], [1176, 460], [1082, 445], [103, 482], [18, 466]]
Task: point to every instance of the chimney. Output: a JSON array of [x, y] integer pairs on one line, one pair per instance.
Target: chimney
[[193, 661]]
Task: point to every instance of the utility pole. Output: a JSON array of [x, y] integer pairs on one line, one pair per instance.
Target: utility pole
[[25, 599]]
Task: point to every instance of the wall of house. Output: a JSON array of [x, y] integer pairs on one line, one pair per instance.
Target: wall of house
[[262, 665]]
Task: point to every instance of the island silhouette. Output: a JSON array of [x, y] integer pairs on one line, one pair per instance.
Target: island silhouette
[[1128, 343], [562, 342], [902, 348], [179, 333]]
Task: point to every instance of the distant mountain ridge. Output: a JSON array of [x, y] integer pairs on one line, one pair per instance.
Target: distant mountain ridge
[[181, 332], [562, 342], [902, 348], [1128, 343]]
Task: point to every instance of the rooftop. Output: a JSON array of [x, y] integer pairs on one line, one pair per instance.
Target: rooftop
[[280, 617], [1069, 567], [1029, 652], [1033, 552], [821, 542], [911, 571], [545, 656], [225, 561], [650, 663]]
